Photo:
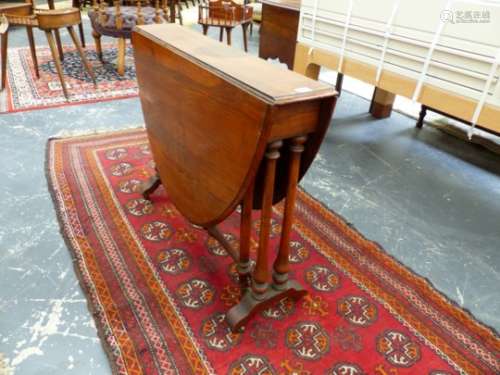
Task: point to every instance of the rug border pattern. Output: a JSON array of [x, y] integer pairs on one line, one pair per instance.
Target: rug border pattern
[[404, 273]]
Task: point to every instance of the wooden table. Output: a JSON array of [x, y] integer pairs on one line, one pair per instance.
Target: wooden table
[[225, 129], [278, 31]]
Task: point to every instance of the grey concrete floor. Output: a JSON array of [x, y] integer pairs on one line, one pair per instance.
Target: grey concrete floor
[[430, 200]]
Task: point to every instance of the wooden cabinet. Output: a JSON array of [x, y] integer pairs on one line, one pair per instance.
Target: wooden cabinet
[[278, 35]]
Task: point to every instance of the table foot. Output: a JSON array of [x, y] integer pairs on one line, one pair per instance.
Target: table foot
[[150, 186], [253, 303]]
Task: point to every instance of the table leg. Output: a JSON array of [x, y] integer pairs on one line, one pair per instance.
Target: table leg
[[261, 295], [244, 265], [261, 274], [150, 186], [281, 265]]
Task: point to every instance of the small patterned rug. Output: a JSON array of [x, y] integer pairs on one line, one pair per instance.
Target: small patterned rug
[[25, 92], [159, 287]]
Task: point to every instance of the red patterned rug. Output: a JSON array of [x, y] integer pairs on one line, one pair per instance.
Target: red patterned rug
[[158, 287], [25, 92]]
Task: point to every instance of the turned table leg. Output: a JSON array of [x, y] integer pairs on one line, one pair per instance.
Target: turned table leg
[[244, 265], [281, 265], [261, 273], [261, 295]]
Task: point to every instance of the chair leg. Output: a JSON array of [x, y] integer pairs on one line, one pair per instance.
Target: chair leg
[[245, 38], [228, 32], [59, 45], [97, 41], [55, 56], [31, 40], [121, 56], [82, 34], [4, 42], [82, 54], [205, 29], [251, 28], [221, 34]]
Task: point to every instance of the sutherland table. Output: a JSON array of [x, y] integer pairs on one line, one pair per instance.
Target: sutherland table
[[226, 129]]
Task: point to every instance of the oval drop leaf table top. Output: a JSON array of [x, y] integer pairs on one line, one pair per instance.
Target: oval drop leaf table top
[[210, 112]]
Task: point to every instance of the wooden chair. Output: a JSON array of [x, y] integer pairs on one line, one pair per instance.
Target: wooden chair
[[51, 21], [225, 14], [14, 15], [23, 14], [118, 20]]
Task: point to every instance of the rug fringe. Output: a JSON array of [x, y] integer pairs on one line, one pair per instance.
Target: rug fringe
[[67, 133]]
